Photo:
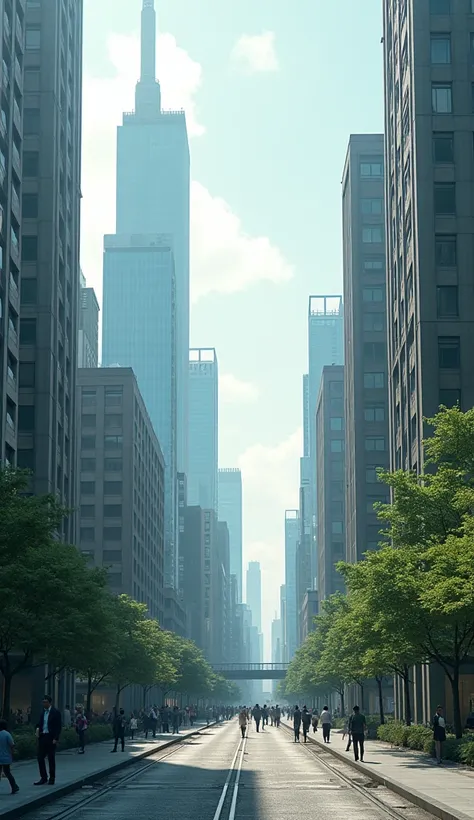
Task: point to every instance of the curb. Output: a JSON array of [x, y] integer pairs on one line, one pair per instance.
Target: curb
[[88, 780], [431, 806]]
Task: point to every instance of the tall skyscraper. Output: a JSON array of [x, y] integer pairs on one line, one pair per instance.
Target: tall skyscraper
[[230, 510], [306, 565], [365, 341], [88, 342], [276, 640], [330, 481], [254, 593], [139, 331], [11, 130], [153, 195], [203, 428], [292, 534], [50, 246], [284, 645]]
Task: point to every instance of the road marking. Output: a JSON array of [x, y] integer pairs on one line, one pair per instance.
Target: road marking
[[237, 781], [226, 784]]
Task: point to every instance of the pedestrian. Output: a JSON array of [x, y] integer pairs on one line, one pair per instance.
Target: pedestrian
[[7, 744], [305, 722], [133, 726], [119, 726], [175, 720], [48, 730], [347, 733], [297, 723], [243, 721], [357, 729], [67, 717], [81, 727], [326, 724], [439, 733], [264, 716], [257, 716], [315, 721], [277, 716], [153, 720]]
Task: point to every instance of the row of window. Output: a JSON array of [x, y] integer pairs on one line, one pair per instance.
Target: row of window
[[111, 465], [108, 534], [89, 420], [110, 442], [442, 97], [440, 48], [110, 487], [113, 397], [110, 510]]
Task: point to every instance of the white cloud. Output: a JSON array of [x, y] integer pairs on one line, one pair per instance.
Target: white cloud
[[236, 391], [225, 259], [255, 53]]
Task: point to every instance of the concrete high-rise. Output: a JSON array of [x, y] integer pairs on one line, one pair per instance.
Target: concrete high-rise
[[203, 428], [284, 651], [330, 481], [139, 331], [52, 107], [254, 593], [11, 131], [365, 342], [230, 510], [121, 486], [292, 534], [153, 195], [88, 341]]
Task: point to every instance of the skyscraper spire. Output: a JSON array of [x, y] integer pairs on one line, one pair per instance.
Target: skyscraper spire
[[148, 93]]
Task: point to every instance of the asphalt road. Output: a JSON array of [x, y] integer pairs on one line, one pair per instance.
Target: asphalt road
[[216, 776]]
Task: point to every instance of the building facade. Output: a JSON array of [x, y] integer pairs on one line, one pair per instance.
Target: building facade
[[292, 534], [365, 341], [254, 593], [203, 428], [50, 269], [88, 342], [230, 510], [310, 610], [12, 47], [139, 331], [330, 464], [121, 488]]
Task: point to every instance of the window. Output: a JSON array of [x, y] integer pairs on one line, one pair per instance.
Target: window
[[440, 6], [113, 396], [337, 406], [371, 476], [31, 122], [113, 442], [443, 147], [113, 420], [112, 510], [26, 418], [88, 465], [374, 321], [372, 207], [374, 263], [372, 169], [374, 351], [112, 533], [112, 488], [29, 291], [445, 250], [30, 163], [337, 469], [115, 579], [27, 331], [112, 557], [371, 500], [31, 80], [32, 39], [450, 398], [29, 207], [336, 388], [337, 489], [336, 527], [337, 424], [372, 235], [372, 295], [87, 487], [113, 465], [87, 534], [374, 412], [88, 420], [442, 98], [89, 398], [373, 381], [27, 374], [337, 445], [447, 299], [29, 248], [375, 443], [440, 49], [87, 510], [449, 352], [87, 442], [444, 198], [337, 510]]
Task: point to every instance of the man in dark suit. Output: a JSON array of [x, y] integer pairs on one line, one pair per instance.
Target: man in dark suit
[[48, 730]]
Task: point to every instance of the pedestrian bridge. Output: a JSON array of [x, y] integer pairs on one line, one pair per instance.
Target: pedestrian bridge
[[252, 671]]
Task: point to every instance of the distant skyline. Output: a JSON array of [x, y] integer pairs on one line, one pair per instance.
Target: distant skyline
[[268, 140]]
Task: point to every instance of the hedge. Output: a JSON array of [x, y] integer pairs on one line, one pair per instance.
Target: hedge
[[26, 743], [420, 738]]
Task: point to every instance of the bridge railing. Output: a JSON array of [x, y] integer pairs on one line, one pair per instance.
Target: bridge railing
[[252, 667]]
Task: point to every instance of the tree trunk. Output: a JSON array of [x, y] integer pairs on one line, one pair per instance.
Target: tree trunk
[[89, 695], [362, 692], [117, 698], [382, 715], [7, 694], [456, 702], [343, 703], [406, 688]]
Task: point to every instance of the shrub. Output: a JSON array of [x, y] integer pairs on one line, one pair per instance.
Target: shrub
[[466, 752], [26, 744]]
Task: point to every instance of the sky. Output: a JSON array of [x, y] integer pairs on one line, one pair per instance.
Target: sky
[[272, 90]]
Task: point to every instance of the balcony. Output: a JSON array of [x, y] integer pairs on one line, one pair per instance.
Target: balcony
[[5, 77], [16, 160], [19, 31], [11, 380], [16, 204], [18, 74], [16, 116], [13, 292], [12, 338], [7, 28], [3, 124]]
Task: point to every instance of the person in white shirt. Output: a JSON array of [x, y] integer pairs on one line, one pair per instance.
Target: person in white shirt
[[439, 733], [325, 719]]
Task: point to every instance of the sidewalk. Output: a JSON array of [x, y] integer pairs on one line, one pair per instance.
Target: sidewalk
[[75, 771], [446, 791]]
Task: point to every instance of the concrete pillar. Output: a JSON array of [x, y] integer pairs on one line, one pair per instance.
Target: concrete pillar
[[418, 690]]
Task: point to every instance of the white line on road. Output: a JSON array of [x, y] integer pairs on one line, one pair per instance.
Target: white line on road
[[237, 781], [226, 784]]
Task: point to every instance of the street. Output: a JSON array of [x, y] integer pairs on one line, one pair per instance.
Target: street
[[216, 776]]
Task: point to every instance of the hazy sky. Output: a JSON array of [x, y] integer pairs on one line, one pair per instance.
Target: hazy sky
[[272, 91]]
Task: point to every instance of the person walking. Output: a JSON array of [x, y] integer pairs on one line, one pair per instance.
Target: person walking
[[264, 716], [48, 730], [439, 733], [7, 744], [133, 726], [119, 726], [243, 721], [277, 716], [326, 724], [315, 721], [305, 722], [81, 727], [257, 716], [297, 723], [347, 733], [357, 729], [67, 717], [175, 720]]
